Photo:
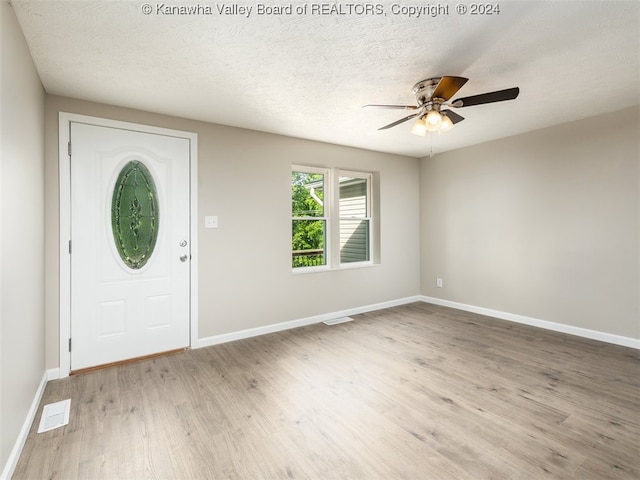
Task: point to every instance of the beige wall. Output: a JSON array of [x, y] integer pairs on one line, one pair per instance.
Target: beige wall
[[245, 279], [21, 231], [544, 224]]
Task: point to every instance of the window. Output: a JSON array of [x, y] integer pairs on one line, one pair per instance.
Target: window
[[354, 218], [331, 217], [309, 224]]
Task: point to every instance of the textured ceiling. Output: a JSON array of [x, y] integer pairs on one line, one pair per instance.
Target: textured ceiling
[[307, 74]]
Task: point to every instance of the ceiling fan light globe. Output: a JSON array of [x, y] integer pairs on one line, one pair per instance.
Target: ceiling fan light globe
[[432, 127], [433, 119], [419, 127], [446, 124]]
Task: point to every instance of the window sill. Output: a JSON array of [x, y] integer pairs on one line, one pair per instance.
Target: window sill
[[325, 268]]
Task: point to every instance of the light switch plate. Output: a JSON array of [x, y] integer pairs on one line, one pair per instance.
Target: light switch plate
[[211, 221]]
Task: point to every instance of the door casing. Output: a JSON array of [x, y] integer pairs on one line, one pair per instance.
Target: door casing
[[64, 319]]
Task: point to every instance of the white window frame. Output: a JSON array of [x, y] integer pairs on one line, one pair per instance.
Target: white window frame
[[368, 177], [326, 206], [332, 218]]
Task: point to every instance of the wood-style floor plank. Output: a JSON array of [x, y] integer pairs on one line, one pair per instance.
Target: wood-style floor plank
[[411, 392]]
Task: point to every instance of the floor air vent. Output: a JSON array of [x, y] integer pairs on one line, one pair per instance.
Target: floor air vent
[[336, 321], [54, 415]]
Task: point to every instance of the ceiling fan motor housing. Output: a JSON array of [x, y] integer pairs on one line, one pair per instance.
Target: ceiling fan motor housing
[[423, 90]]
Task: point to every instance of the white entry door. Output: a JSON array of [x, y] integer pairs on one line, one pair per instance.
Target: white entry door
[[130, 245]]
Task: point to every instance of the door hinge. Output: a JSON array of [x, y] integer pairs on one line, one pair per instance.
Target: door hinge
[[69, 345], [69, 247], [69, 148]]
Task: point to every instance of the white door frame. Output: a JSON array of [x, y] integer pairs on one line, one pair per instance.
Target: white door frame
[[64, 131]]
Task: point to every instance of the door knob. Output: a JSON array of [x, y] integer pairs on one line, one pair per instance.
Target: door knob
[[184, 257]]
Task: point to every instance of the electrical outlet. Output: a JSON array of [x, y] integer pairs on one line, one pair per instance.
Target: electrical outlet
[[439, 282], [211, 221]]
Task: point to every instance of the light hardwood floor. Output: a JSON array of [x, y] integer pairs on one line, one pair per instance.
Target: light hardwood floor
[[412, 392]]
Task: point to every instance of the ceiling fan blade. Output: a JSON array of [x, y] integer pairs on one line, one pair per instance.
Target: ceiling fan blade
[[491, 97], [398, 122], [448, 86], [455, 118], [396, 107]]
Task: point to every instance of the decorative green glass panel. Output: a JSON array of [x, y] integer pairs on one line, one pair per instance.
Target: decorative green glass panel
[[134, 214]]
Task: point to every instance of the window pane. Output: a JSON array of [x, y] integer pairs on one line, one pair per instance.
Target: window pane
[[354, 221], [308, 243], [307, 194], [353, 197], [354, 240]]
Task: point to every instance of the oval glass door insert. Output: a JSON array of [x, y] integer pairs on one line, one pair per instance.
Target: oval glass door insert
[[134, 214]]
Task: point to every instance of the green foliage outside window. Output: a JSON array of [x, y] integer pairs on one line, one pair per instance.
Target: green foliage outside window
[[308, 222]]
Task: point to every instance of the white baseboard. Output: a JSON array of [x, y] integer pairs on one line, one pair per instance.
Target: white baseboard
[[53, 374], [12, 461], [278, 327], [535, 322]]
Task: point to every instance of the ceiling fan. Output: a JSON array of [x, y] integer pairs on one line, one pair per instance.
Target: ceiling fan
[[433, 108]]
